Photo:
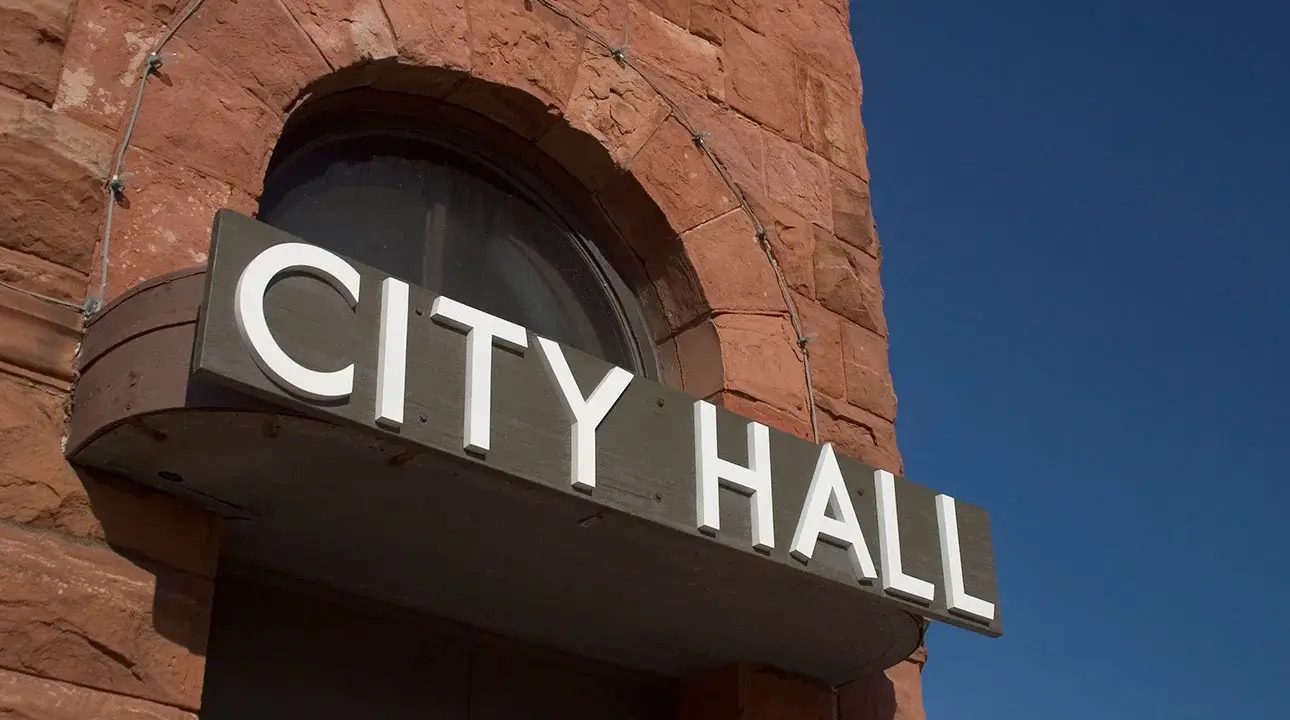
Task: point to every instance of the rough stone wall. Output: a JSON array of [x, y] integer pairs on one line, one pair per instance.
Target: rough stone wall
[[104, 588]]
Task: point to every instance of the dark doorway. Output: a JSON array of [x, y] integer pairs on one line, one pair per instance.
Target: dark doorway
[[279, 651]]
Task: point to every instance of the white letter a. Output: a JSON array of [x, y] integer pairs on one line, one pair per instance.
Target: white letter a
[[828, 491]]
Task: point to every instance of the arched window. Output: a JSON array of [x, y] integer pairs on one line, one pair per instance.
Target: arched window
[[430, 208]]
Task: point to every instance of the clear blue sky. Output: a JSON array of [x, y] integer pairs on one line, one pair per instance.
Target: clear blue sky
[[1085, 213]]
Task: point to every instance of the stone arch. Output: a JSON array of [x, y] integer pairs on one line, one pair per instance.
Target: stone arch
[[237, 71]]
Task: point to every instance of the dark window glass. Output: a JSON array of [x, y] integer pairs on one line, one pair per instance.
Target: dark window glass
[[440, 220]]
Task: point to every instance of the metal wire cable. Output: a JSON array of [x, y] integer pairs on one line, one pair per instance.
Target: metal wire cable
[[619, 53], [115, 185], [39, 296]]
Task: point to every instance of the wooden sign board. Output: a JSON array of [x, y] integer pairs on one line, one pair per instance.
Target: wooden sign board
[[318, 333]]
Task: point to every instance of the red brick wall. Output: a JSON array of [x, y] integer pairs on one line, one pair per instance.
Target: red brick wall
[[773, 86]]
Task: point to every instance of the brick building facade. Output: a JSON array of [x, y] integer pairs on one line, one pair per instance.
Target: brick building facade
[[676, 128]]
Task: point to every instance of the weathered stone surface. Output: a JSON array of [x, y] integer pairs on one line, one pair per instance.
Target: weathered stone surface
[[26, 697], [831, 122], [665, 48], [38, 339], [88, 616], [32, 273], [614, 107], [852, 212], [868, 376], [859, 434], [846, 282], [735, 140], [631, 209], [431, 33], [533, 50], [792, 239], [52, 171], [200, 118], [766, 414], [106, 49], [702, 370], [760, 358], [817, 29], [733, 270], [824, 332], [163, 223], [675, 11], [709, 19], [798, 179], [259, 46], [161, 9], [39, 488], [763, 81], [677, 285], [346, 31], [681, 179], [33, 34], [607, 18]]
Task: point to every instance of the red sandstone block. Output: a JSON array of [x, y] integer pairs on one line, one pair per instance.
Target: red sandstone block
[[824, 332], [432, 33], [534, 50], [733, 271], [87, 616], [831, 122], [764, 413], [676, 283], [38, 339], [799, 180], [197, 116], [764, 81], [350, 31], [852, 211], [760, 358], [846, 282], [51, 183], [859, 434], [734, 139], [106, 48], [612, 113], [752, 356], [26, 697], [50, 279], [676, 12], [818, 29], [709, 19], [32, 37], [667, 49], [161, 9], [867, 374], [606, 18], [259, 45], [792, 239], [39, 488], [702, 368], [163, 223], [681, 179]]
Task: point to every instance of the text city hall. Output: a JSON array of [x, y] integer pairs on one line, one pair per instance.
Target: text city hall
[[826, 515]]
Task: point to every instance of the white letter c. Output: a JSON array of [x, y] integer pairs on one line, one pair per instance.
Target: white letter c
[[248, 309]]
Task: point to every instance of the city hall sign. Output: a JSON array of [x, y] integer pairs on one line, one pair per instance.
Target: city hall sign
[[696, 501]]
